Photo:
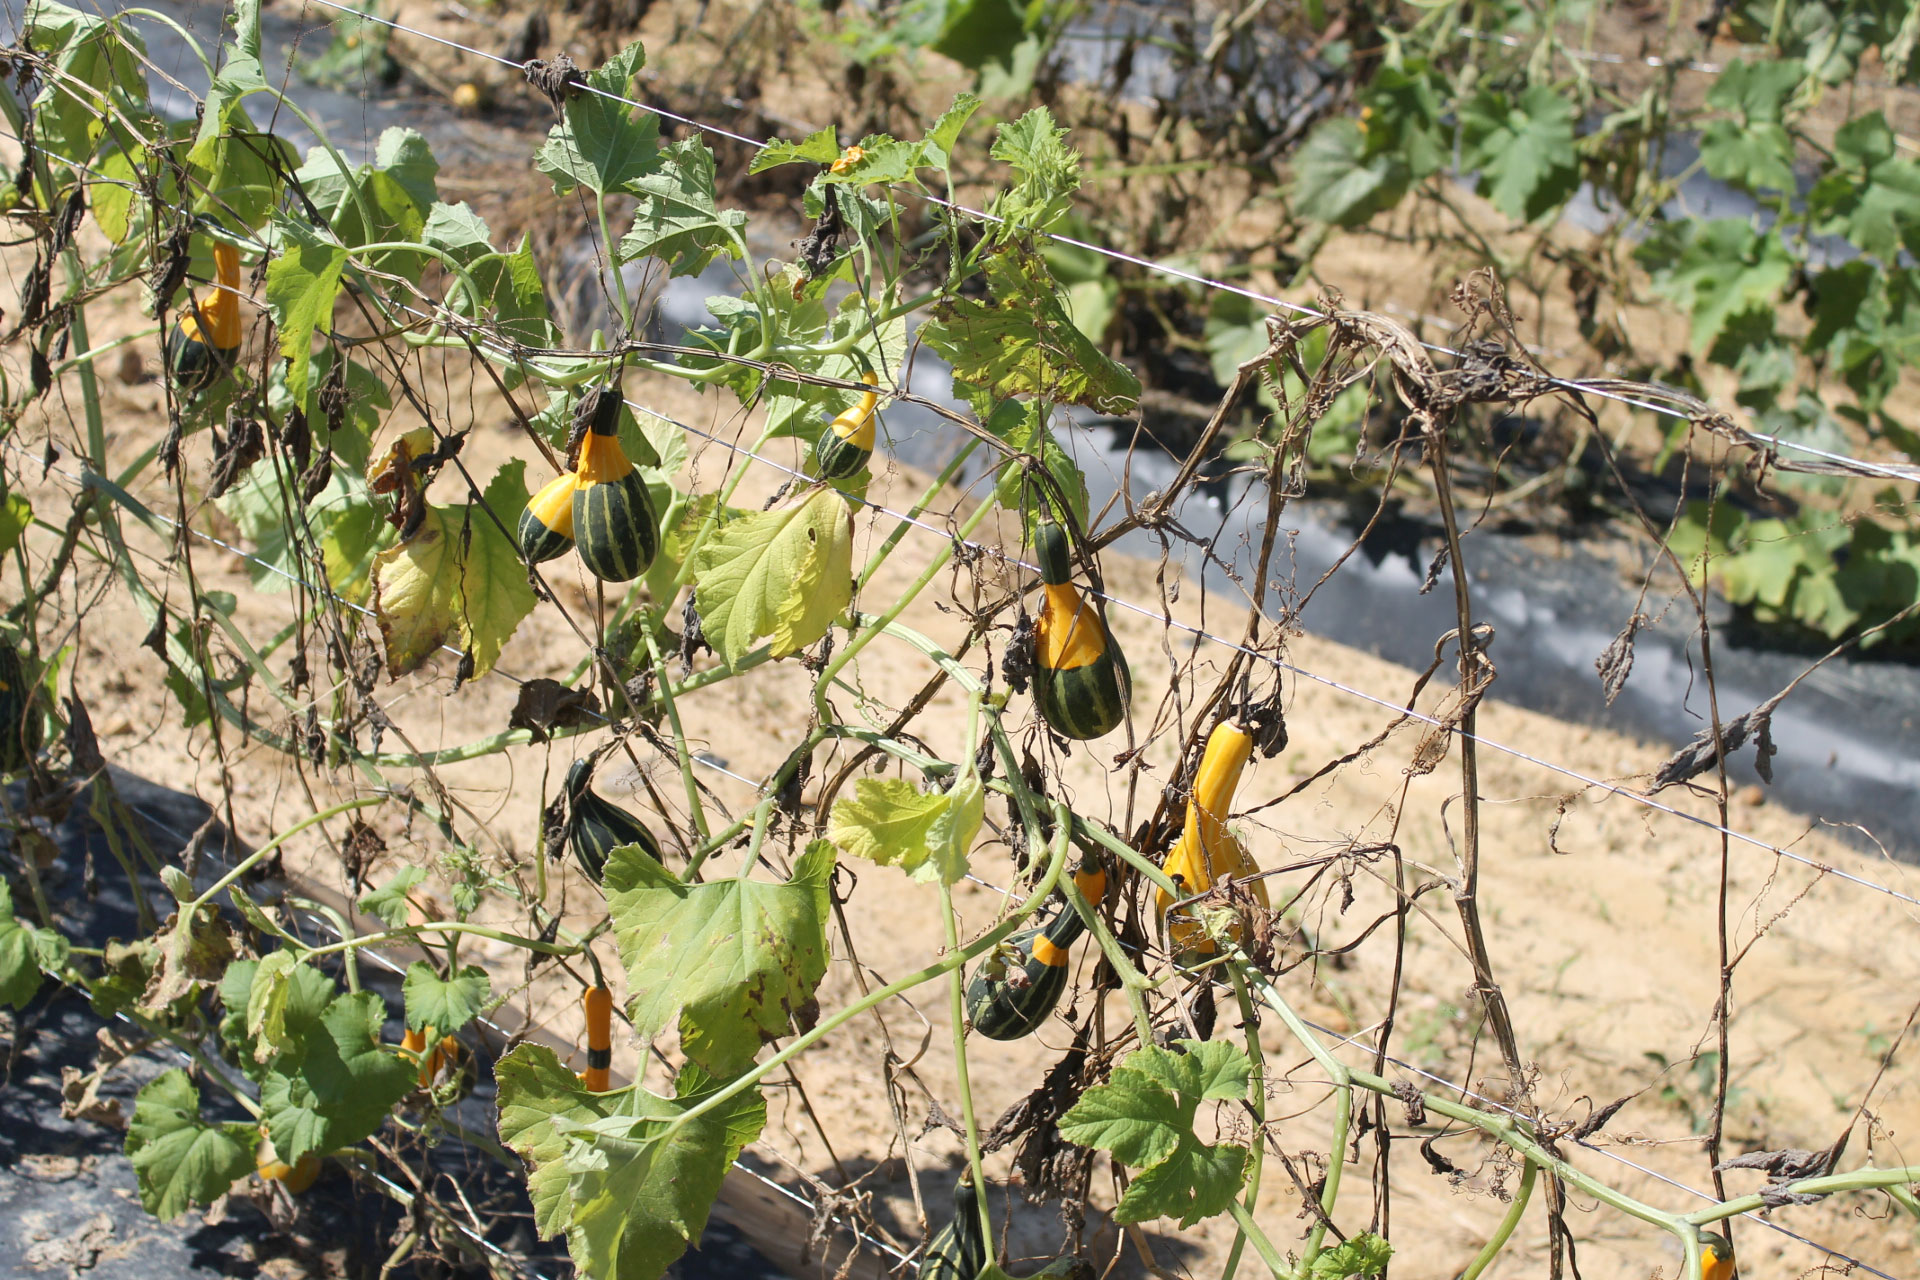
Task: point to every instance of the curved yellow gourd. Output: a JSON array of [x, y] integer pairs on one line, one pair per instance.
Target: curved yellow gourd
[[1206, 851], [206, 335]]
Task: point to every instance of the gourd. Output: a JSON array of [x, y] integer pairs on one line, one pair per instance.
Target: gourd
[[546, 526], [1206, 850], [296, 1177], [598, 1004], [1010, 999], [614, 526], [207, 336], [596, 827], [1081, 682], [19, 718], [1716, 1257], [847, 442], [958, 1252]]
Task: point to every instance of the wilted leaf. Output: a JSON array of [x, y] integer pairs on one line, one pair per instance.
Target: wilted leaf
[[178, 1158], [784, 575]]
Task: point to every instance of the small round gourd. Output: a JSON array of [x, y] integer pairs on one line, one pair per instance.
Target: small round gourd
[[1014, 1001], [199, 353]]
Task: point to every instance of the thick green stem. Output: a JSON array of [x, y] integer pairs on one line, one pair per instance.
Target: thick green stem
[[1502, 1233]]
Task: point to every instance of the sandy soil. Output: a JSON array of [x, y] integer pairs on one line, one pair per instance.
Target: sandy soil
[[1599, 911]]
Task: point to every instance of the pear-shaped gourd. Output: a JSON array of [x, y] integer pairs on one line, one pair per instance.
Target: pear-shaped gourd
[[614, 526], [596, 827], [959, 1251], [206, 338], [1716, 1257], [1206, 850], [846, 444], [1012, 993], [1081, 682]]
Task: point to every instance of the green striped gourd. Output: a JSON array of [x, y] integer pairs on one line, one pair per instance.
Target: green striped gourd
[[19, 717], [546, 526], [1080, 680], [958, 1252], [1028, 986], [596, 827], [847, 442], [614, 527]]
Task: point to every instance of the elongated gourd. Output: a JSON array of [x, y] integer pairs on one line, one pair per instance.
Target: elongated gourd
[[847, 442], [596, 827], [296, 1177], [1206, 850], [546, 526], [1716, 1257], [614, 526], [206, 337], [1006, 1001], [598, 1004], [958, 1251], [1081, 682], [19, 718]]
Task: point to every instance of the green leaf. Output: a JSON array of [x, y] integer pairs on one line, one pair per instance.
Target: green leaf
[[513, 299], [678, 219], [535, 1092], [301, 286], [459, 578], [600, 146], [1144, 1115], [16, 517], [237, 166], [397, 192], [819, 147], [389, 901], [1524, 150], [641, 1191], [1023, 342], [457, 230], [267, 1000], [335, 1082], [784, 574], [927, 834], [1362, 1255], [937, 146], [178, 1158], [1337, 180], [1716, 270], [445, 1004], [1753, 149], [19, 965], [96, 69], [978, 32], [762, 949], [1049, 175]]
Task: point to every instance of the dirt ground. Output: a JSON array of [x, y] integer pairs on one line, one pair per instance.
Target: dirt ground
[[1599, 910]]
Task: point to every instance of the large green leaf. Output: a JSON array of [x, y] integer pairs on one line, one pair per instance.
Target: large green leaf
[[1717, 270], [1021, 341], [178, 1158], [642, 1186], [335, 1082], [536, 1091], [678, 219], [1144, 1115], [762, 950], [1337, 179], [784, 575], [601, 146]]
